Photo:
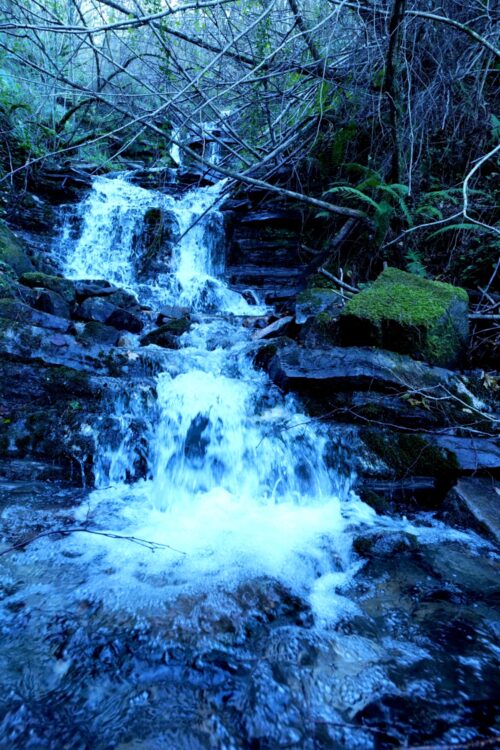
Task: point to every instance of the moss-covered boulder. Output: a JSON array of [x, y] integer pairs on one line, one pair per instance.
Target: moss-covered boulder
[[12, 252], [167, 334], [64, 287], [411, 315]]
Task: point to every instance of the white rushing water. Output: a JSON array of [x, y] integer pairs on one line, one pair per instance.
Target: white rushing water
[[108, 244], [239, 480]]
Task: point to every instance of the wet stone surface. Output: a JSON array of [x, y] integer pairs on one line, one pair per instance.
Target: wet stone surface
[[251, 664]]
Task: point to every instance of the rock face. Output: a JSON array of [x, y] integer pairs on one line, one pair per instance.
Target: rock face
[[475, 502], [320, 371], [410, 315], [13, 254], [160, 233], [264, 250]]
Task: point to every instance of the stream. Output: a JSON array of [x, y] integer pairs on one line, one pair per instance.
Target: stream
[[271, 607]]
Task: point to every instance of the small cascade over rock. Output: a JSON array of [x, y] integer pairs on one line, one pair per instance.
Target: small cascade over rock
[[166, 249]]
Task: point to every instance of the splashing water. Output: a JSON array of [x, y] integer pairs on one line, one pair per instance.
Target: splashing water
[[112, 227], [237, 477]]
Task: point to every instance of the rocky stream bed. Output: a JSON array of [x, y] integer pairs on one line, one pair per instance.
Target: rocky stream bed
[[243, 515]]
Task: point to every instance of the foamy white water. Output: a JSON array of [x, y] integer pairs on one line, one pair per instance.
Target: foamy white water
[[240, 482]]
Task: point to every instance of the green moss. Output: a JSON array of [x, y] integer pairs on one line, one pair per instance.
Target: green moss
[[410, 454], [409, 314], [7, 286], [12, 251], [61, 286], [405, 297], [65, 380]]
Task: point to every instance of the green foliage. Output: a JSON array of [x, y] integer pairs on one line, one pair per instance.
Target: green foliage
[[467, 225], [414, 263], [385, 201]]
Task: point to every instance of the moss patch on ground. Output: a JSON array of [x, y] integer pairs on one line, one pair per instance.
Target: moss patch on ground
[[410, 315]]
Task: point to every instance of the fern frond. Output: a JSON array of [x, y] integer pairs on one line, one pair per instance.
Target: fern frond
[[390, 189], [429, 212], [350, 191], [465, 225]]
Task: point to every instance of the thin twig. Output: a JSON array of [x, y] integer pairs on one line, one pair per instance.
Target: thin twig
[[81, 529]]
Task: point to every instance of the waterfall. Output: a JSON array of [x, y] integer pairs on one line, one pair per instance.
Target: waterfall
[[237, 476], [109, 244]]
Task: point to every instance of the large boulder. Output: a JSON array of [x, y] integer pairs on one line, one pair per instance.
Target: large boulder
[[64, 287], [424, 454], [101, 311], [474, 501], [14, 311], [321, 371], [13, 254], [410, 315], [51, 302]]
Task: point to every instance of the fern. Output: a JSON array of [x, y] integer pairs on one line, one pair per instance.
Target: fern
[[465, 225], [429, 212], [346, 190], [383, 216], [414, 264], [398, 192]]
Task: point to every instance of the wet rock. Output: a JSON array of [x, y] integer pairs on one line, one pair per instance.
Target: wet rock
[[26, 470], [13, 253], [390, 495], [160, 232], [272, 285], [471, 454], [410, 315], [51, 302], [125, 300], [99, 333], [319, 371], [475, 502], [314, 301], [432, 455], [49, 417], [21, 314], [162, 336], [476, 574], [11, 289], [61, 184], [170, 313], [85, 288], [155, 178], [102, 311], [64, 287], [385, 544], [30, 212]]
